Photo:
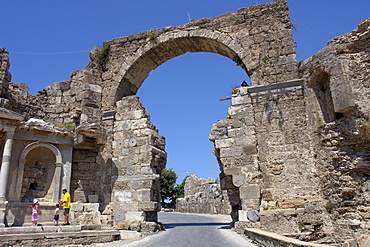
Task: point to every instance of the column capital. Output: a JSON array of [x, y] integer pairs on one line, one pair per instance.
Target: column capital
[[9, 132]]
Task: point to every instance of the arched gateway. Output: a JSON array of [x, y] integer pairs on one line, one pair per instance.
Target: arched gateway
[[258, 39], [96, 138]]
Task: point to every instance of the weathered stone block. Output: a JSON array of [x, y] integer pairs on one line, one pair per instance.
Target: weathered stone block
[[134, 215], [248, 204], [241, 100], [125, 234], [232, 171], [231, 152], [224, 143], [125, 225], [217, 134], [150, 227], [77, 207], [238, 180], [91, 207], [149, 206], [240, 110], [248, 140], [250, 149], [250, 192], [135, 226], [243, 215]]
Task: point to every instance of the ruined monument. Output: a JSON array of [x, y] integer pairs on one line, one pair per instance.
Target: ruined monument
[[203, 195], [294, 147]]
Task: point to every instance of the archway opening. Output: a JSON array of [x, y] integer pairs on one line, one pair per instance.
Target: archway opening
[[319, 81], [38, 175], [182, 97]]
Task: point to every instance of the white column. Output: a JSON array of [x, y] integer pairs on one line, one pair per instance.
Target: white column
[[5, 166], [57, 182]]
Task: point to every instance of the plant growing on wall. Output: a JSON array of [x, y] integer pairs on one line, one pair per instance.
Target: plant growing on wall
[[70, 125], [233, 90], [320, 123], [360, 122], [329, 207], [271, 61], [239, 62], [152, 34]]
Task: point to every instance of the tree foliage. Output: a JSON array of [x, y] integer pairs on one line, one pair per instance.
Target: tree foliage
[[168, 182], [180, 188], [169, 189]]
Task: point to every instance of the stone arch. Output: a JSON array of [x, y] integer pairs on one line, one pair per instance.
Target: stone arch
[[258, 38], [51, 147], [319, 81], [56, 177], [173, 44]]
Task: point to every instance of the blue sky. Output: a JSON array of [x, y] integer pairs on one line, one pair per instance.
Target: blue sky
[[182, 95]]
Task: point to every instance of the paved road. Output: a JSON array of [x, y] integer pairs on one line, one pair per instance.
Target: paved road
[[193, 230]]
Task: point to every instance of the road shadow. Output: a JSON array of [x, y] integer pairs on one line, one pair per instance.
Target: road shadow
[[173, 225]]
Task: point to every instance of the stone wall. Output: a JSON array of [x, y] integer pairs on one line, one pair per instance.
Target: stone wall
[[303, 160], [5, 76], [341, 147], [203, 196]]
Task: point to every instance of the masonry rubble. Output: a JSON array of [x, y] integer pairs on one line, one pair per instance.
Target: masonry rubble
[[203, 195], [294, 146]]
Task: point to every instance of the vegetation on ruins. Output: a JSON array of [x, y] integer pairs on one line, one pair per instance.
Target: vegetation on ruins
[[321, 123], [294, 27], [69, 125], [239, 62], [273, 59], [152, 34], [360, 122], [233, 90], [329, 207], [103, 51]]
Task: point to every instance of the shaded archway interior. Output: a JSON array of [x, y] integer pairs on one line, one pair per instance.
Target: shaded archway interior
[[38, 174]]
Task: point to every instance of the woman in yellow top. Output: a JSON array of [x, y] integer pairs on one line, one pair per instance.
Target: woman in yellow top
[[66, 206]]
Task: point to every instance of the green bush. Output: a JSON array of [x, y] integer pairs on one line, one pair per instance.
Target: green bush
[[70, 125], [152, 34], [329, 207]]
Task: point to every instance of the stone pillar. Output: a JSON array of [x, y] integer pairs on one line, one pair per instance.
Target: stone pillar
[[19, 178], [4, 174], [66, 171], [5, 166], [66, 178], [57, 182]]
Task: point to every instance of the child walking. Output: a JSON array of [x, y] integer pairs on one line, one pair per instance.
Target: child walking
[[56, 214], [35, 212]]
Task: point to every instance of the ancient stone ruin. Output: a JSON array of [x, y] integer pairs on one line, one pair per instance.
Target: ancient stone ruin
[[203, 195], [294, 148]]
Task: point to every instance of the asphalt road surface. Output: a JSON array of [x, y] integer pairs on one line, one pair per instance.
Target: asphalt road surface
[[193, 230]]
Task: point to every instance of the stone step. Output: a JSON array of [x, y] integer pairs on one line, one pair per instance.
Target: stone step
[[39, 229], [48, 232]]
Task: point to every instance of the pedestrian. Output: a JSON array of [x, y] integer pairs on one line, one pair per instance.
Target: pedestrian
[[35, 212], [66, 203], [56, 214]]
